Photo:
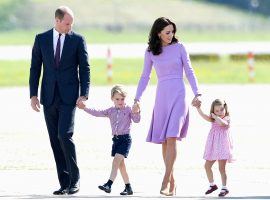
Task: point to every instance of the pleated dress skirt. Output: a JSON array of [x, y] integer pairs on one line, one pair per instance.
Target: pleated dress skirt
[[170, 118]]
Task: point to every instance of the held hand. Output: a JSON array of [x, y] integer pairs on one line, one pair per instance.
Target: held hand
[[81, 98], [35, 103], [196, 102], [136, 108], [81, 102], [81, 105], [198, 106]]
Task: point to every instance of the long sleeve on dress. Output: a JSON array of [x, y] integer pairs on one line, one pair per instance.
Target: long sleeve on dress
[[145, 77], [189, 71]]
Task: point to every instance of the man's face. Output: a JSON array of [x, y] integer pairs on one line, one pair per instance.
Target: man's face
[[64, 25]]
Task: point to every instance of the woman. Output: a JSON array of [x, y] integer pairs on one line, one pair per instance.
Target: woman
[[170, 117]]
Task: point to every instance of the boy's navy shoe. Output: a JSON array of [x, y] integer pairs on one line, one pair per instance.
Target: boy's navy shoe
[[127, 191], [105, 188]]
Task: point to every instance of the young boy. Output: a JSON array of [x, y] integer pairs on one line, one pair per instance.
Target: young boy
[[120, 116]]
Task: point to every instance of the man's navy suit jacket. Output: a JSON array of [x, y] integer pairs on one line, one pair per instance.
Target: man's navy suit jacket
[[72, 76]]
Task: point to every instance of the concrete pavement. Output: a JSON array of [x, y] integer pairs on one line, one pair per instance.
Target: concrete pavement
[[27, 169]]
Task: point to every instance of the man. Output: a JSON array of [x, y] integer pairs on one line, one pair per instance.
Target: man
[[65, 82]]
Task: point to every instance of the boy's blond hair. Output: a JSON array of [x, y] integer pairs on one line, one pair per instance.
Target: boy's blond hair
[[118, 89]]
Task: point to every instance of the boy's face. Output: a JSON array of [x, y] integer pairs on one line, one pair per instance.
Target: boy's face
[[118, 100]]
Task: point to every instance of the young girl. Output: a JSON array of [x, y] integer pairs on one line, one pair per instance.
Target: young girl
[[218, 145], [120, 116]]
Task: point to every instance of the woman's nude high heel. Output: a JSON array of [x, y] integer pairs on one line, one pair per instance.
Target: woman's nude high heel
[[172, 192], [164, 190]]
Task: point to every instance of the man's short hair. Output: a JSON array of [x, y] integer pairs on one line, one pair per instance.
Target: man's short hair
[[61, 11]]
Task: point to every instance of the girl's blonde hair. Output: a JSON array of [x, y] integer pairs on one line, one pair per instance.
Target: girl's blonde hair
[[118, 89], [219, 102]]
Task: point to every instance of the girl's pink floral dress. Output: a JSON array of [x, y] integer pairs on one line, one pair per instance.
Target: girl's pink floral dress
[[219, 144]]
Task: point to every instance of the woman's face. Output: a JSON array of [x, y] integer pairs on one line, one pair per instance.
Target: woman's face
[[166, 35]]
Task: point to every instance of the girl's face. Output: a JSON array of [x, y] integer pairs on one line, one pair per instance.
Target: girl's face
[[166, 35], [118, 100], [220, 111]]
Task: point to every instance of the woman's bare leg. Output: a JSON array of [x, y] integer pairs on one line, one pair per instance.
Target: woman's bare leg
[[170, 157], [172, 180]]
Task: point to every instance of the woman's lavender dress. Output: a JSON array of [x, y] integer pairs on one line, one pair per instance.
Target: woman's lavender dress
[[170, 115]]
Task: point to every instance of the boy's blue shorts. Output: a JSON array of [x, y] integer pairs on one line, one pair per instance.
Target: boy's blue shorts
[[121, 144]]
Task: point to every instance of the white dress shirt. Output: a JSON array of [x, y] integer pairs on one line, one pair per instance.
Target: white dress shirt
[[55, 39]]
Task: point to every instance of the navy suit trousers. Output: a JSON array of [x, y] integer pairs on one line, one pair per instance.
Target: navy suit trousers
[[59, 119]]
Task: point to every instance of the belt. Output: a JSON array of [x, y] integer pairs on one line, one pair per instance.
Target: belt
[[120, 136], [168, 77]]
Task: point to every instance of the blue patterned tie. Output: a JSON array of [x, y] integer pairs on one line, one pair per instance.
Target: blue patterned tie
[[57, 52]]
